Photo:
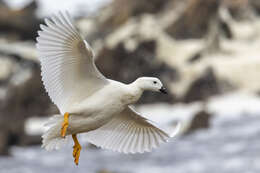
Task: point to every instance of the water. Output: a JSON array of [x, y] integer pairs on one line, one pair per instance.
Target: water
[[231, 145]]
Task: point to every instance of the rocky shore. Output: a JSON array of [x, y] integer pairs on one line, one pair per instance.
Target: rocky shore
[[200, 49]]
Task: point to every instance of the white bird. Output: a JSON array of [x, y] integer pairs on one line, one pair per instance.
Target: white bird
[[87, 101]]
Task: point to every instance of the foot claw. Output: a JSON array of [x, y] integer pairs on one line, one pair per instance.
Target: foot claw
[[76, 153], [76, 149]]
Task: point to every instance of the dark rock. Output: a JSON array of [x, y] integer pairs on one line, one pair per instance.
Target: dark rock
[[226, 29], [239, 9], [138, 7], [122, 65], [195, 19], [255, 5], [201, 120], [24, 97], [2, 3], [30, 140], [202, 88], [21, 23], [28, 98], [226, 86], [4, 149], [195, 57], [122, 10]]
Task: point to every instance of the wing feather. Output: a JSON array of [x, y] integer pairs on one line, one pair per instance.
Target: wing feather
[[68, 70], [128, 132]]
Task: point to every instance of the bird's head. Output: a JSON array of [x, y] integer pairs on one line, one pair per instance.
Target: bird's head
[[151, 84]]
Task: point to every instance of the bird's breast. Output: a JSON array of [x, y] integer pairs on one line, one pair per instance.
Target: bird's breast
[[131, 97]]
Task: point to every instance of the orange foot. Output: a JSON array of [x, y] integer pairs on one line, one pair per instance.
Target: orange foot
[[65, 125], [76, 149]]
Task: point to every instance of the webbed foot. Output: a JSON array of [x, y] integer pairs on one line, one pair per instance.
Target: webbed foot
[[76, 149]]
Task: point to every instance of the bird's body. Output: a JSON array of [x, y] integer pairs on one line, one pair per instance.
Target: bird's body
[[97, 109], [88, 102]]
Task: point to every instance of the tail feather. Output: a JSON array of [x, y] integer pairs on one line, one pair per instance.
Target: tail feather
[[54, 120], [51, 139]]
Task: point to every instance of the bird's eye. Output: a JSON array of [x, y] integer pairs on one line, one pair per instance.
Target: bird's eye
[[154, 82]]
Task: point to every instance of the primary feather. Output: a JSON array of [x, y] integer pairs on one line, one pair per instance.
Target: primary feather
[[68, 70], [128, 132], [71, 78]]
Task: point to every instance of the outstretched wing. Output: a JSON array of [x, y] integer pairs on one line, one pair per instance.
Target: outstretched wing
[[128, 132], [68, 70]]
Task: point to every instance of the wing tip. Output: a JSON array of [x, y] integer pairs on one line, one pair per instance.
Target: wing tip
[[176, 130]]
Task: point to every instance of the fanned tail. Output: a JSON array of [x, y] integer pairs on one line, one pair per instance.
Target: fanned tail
[[51, 139]]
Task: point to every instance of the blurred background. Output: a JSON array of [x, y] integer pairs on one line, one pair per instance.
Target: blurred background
[[206, 52]]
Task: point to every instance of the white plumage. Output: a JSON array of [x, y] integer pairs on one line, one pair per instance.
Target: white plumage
[[67, 62], [128, 133], [98, 106]]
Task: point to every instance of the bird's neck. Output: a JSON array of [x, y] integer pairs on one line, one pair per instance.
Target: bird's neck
[[134, 92]]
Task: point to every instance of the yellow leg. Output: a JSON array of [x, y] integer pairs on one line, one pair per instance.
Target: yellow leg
[[65, 125], [76, 149]]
